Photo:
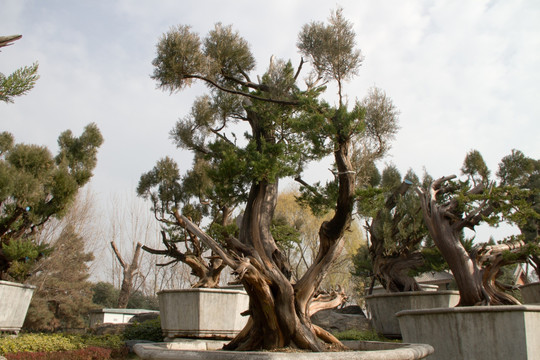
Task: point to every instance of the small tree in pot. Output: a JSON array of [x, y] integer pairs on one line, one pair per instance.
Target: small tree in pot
[[451, 206]]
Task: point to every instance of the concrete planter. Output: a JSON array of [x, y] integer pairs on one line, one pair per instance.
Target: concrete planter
[[202, 313], [188, 349], [530, 293], [383, 307], [476, 332], [379, 289], [14, 302]]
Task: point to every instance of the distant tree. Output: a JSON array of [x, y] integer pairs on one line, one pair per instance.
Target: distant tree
[[523, 172], [298, 240], [63, 295], [285, 128], [105, 295], [129, 272], [37, 187], [21, 81]]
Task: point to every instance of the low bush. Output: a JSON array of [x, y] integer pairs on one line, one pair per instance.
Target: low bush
[[147, 330], [62, 346]]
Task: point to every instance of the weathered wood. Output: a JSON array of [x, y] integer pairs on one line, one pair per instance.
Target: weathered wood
[[129, 272], [8, 40]]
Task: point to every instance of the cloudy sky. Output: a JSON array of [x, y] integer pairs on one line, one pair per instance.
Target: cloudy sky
[[464, 74]]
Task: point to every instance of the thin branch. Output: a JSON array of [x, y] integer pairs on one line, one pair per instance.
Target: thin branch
[[230, 91]]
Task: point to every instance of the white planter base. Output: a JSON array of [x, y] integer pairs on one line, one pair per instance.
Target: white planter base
[[189, 349], [202, 313], [383, 307], [476, 332], [14, 302]]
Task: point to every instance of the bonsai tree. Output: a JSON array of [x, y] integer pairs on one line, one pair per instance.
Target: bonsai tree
[[523, 172], [395, 231], [399, 244], [190, 195], [36, 187], [285, 127], [450, 206]]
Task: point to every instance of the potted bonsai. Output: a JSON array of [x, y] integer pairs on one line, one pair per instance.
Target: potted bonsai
[[35, 188], [33, 193], [398, 240], [481, 324], [196, 196]]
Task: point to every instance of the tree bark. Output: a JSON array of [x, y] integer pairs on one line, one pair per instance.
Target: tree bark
[[129, 271], [445, 223], [280, 310]]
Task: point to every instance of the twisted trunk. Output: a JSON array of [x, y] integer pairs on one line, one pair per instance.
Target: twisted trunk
[[475, 273]]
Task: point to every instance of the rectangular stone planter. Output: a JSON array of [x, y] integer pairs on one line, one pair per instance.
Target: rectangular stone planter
[[476, 332], [202, 313], [383, 307], [14, 302], [530, 293]]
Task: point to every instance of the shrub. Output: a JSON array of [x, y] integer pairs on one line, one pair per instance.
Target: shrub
[[35, 345], [37, 342], [90, 353], [146, 330]]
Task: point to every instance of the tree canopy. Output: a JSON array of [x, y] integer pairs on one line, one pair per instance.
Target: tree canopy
[[37, 186]]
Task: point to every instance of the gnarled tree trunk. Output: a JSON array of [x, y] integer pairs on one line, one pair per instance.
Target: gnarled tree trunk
[[445, 222], [280, 310]]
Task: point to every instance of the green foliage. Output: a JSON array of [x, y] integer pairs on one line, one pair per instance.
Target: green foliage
[[23, 255], [49, 345], [326, 46], [285, 235], [37, 187], [63, 296], [18, 83], [106, 295], [475, 168], [147, 330], [38, 342]]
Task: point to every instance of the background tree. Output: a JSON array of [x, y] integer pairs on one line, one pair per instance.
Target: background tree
[[287, 127], [21, 81], [523, 172], [105, 295], [37, 187], [129, 272], [301, 246], [449, 206], [63, 296]]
